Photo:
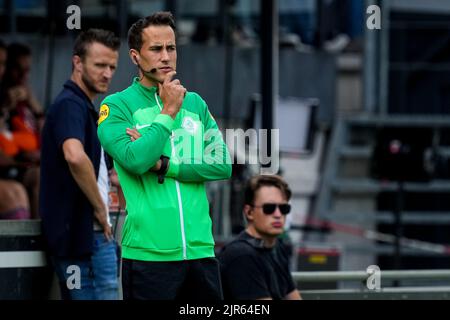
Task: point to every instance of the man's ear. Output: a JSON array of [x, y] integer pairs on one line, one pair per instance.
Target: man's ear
[[134, 55], [248, 212], [77, 63]]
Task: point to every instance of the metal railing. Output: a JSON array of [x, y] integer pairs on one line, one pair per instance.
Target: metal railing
[[326, 276], [437, 292]]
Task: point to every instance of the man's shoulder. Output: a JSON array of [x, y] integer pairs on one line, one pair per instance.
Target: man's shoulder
[[72, 92], [236, 248], [193, 95], [68, 94], [193, 102], [194, 99], [239, 255], [66, 98], [239, 244], [114, 98], [120, 98]]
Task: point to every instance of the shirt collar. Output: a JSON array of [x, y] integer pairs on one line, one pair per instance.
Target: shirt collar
[[69, 84], [254, 242], [147, 91]]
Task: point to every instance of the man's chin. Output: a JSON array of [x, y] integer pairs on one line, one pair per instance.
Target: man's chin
[[101, 90], [154, 79], [276, 231]]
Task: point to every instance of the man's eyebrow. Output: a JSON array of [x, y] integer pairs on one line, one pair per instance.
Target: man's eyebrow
[[155, 46], [161, 45]]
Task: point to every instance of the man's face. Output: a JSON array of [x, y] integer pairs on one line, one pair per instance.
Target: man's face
[[158, 52], [98, 67], [267, 225], [2, 62], [21, 72]]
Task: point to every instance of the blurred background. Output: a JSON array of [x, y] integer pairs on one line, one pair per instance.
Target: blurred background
[[364, 115]]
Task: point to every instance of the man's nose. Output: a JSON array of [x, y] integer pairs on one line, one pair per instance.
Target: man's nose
[[108, 73], [277, 212], [164, 55]]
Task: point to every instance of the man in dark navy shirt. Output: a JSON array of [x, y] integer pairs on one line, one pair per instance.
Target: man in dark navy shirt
[[74, 176], [256, 264]]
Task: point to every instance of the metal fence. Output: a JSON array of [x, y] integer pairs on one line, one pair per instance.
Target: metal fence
[[438, 291]]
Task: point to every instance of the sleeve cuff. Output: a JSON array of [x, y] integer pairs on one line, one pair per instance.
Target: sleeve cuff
[[164, 120], [174, 169]]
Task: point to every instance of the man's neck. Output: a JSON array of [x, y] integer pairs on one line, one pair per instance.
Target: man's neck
[[268, 241], [146, 82], [91, 95]]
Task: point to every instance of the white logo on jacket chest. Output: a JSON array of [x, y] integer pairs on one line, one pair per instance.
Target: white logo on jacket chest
[[189, 125]]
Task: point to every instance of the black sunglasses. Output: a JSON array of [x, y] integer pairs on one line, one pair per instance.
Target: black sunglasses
[[269, 208]]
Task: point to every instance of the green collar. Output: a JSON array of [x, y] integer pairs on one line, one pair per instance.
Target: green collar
[[148, 91]]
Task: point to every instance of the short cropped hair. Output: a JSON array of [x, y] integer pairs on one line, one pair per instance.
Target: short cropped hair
[[85, 38], [257, 182], [17, 50], [161, 18]]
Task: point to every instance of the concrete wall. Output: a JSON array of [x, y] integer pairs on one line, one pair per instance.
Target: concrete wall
[[201, 69]]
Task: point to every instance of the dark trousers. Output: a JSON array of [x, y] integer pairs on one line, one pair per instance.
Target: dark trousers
[[189, 280]]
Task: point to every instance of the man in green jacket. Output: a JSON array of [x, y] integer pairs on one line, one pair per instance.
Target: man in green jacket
[[165, 145]]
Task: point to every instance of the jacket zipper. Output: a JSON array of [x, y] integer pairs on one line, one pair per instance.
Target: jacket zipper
[[177, 185]]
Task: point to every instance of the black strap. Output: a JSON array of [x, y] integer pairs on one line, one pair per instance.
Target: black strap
[[163, 170]]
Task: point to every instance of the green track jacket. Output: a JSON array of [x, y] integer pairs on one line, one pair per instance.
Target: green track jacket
[[169, 221]]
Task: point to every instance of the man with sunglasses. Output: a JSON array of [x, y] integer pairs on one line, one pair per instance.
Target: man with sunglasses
[[256, 264]]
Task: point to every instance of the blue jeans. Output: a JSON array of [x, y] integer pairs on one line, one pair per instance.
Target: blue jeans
[[97, 275]]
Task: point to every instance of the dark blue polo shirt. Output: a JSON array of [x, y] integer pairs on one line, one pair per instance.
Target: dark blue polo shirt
[[67, 215]]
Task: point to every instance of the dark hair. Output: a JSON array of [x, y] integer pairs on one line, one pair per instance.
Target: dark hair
[[162, 18], [257, 182], [2, 44], [15, 51], [85, 38]]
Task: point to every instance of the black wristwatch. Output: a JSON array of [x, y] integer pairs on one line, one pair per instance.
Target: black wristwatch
[[163, 169]]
